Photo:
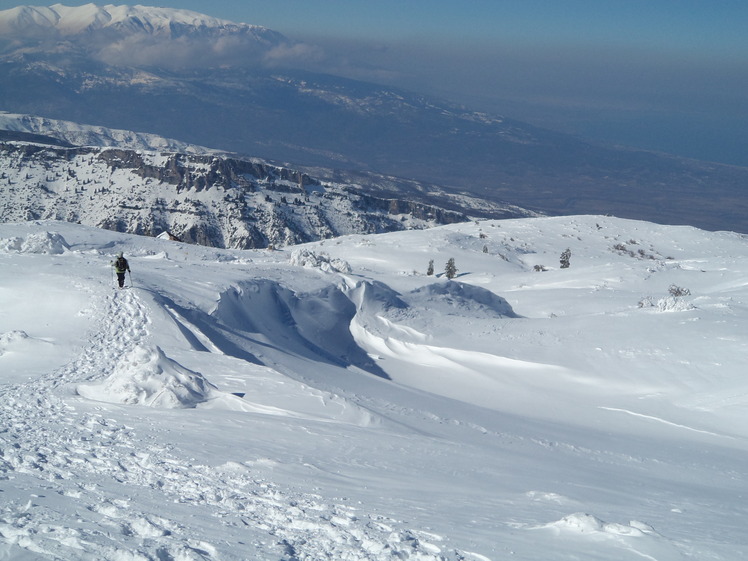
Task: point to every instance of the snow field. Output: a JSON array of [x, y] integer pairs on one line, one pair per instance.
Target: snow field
[[255, 405], [145, 376]]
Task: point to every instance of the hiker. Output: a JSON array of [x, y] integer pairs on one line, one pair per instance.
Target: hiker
[[120, 267]]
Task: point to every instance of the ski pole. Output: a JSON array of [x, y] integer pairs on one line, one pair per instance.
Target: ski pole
[[129, 274]]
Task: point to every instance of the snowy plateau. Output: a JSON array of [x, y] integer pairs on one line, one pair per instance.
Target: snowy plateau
[[334, 401]]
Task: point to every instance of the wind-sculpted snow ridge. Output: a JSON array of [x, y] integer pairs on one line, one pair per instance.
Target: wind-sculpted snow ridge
[[97, 484], [311, 325]]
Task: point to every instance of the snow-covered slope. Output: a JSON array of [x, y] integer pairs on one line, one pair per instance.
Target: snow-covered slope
[[89, 135], [333, 401], [381, 187], [200, 198]]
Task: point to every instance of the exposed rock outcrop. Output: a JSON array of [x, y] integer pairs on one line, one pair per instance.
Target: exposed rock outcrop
[[204, 199]]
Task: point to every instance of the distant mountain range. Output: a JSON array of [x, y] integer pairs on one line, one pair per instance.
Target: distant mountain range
[[209, 82]]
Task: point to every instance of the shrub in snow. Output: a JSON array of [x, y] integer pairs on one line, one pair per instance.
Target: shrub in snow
[[8, 245], [673, 304], [430, 269], [307, 258], [646, 302], [146, 376]]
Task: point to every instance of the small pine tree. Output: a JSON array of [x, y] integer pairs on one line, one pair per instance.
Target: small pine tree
[[450, 270], [430, 270], [565, 257]]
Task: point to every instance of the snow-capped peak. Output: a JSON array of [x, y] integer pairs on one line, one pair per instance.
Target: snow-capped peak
[[137, 36], [75, 20]]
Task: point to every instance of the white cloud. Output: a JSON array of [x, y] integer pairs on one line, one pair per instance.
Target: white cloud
[[294, 54]]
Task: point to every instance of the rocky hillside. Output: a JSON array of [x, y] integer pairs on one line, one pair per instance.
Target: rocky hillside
[[199, 198]]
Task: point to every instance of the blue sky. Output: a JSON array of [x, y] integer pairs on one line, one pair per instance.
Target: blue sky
[[659, 74], [704, 25]]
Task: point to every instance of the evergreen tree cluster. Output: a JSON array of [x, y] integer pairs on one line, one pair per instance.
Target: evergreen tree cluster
[[450, 269]]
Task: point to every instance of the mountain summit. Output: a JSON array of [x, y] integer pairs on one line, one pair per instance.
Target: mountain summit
[[134, 35], [68, 21]]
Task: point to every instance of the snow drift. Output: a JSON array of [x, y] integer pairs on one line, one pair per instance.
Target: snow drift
[[50, 243], [146, 376]]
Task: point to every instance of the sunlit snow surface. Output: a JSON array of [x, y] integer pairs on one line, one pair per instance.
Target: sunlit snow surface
[[335, 402]]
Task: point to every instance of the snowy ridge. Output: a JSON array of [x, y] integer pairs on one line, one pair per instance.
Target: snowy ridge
[[134, 36], [90, 135], [335, 401], [381, 187], [200, 198], [68, 20]]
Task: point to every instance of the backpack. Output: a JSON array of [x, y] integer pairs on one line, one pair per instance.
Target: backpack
[[120, 264]]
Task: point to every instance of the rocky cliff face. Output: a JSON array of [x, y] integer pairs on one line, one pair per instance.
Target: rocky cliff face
[[203, 199]]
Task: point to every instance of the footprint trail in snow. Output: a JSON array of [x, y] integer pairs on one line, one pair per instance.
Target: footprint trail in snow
[[88, 487]]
